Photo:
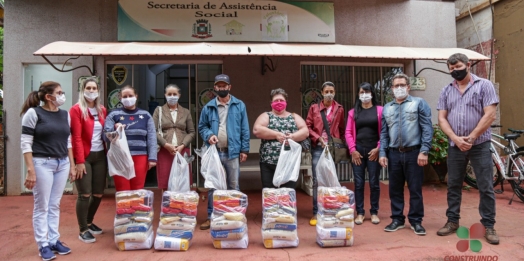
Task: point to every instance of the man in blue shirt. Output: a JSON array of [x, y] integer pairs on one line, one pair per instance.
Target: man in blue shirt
[[223, 122], [405, 141]]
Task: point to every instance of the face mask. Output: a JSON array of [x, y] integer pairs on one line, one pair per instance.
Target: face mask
[[59, 100], [90, 96], [222, 93], [129, 102], [172, 100], [329, 97], [459, 75], [400, 93], [279, 106], [365, 97]]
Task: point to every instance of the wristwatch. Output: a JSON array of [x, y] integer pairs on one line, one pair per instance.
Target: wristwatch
[[425, 152]]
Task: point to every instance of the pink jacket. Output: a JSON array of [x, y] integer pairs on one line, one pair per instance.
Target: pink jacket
[[351, 129]]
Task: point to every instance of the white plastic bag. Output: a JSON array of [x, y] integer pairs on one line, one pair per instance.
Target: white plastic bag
[[179, 175], [288, 165], [326, 170], [119, 159], [212, 169]]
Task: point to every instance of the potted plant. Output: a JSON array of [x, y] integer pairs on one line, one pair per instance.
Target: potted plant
[[438, 155]]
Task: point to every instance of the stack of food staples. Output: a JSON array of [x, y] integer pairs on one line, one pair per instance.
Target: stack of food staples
[[134, 216], [335, 218], [279, 223], [228, 221], [177, 220]]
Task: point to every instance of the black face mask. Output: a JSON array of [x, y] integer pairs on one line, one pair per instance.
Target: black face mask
[[222, 93], [459, 75]]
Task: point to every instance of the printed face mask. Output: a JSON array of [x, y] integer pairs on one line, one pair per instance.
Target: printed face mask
[[129, 102], [279, 106], [459, 75], [60, 100], [400, 92], [90, 96], [329, 97], [172, 100], [365, 97]]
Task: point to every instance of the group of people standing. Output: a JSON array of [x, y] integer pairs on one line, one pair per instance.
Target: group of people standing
[[58, 146]]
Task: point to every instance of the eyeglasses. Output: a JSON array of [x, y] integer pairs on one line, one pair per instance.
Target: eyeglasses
[[399, 86], [60, 93]]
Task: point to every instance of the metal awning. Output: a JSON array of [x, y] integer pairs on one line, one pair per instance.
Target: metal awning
[[62, 48]]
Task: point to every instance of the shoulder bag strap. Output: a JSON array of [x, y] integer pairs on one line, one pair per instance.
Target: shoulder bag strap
[[326, 125], [160, 121]]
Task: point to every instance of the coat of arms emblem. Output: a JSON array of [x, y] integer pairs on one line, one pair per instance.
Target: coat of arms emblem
[[202, 29]]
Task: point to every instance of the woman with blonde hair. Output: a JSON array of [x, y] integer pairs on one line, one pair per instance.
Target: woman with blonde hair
[[87, 121]]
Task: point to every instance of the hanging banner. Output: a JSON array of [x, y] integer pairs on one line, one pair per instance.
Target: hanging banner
[[226, 21]]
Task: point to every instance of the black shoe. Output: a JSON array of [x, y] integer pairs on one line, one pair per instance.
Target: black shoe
[[419, 229], [394, 226], [86, 237], [94, 229]]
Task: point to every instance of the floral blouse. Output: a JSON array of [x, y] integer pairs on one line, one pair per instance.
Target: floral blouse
[[270, 149]]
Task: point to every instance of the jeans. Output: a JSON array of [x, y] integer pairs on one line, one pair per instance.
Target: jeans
[[51, 178], [315, 156], [402, 167], [373, 168], [267, 172], [480, 157], [232, 168]]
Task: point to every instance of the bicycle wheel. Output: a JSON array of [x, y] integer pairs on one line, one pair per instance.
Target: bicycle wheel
[[517, 167], [471, 180]]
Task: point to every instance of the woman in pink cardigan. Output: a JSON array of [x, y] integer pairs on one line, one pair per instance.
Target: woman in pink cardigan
[[363, 138]]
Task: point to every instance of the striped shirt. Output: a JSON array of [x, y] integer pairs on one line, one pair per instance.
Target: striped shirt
[[465, 110], [140, 130]]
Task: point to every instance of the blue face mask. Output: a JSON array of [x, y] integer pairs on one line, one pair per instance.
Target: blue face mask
[[172, 100]]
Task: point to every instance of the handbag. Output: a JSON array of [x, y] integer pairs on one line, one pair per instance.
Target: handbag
[[337, 147]]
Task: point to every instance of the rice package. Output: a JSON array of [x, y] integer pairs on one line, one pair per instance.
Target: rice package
[[335, 217], [228, 220], [279, 218], [177, 221], [133, 219]]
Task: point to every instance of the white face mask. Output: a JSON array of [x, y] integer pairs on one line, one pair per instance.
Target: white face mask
[[90, 96], [365, 97], [60, 100], [400, 92], [129, 102], [172, 100]]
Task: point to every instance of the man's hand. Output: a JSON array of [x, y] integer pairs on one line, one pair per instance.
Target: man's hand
[[422, 159], [383, 161], [463, 143], [243, 157], [213, 140], [356, 158]]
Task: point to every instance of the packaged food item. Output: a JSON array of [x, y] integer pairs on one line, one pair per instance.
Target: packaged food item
[[177, 220], [335, 218], [228, 220], [279, 218], [132, 224]]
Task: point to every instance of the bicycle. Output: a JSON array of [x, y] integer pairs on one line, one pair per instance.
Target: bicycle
[[508, 167]]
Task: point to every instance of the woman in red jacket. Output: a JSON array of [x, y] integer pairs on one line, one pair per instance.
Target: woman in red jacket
[[87, 121], [334, 112]]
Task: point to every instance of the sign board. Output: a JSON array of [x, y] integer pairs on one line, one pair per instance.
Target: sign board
[[226, 21], [417, 83]]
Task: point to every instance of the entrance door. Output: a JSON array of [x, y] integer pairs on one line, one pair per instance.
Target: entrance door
[[194, 80]]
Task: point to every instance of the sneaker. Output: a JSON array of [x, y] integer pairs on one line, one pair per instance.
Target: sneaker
[[86, 237], [94, 229], [491, 236], [359, 220], [419, 229], [60, 248], [448, 229], [374, 219], [394, 226], [313, 221], [205, 225], [46, 253]]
